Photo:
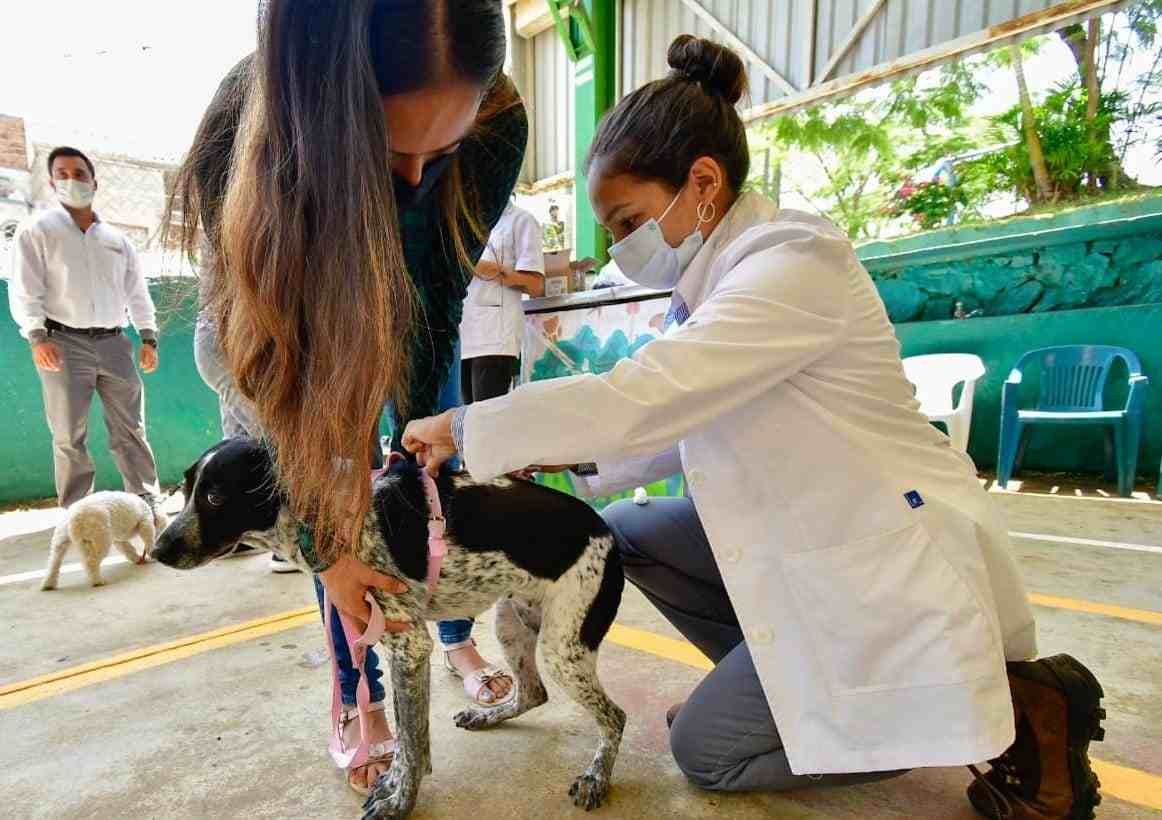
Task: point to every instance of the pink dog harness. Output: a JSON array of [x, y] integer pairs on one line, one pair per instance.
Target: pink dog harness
[[358, 644]]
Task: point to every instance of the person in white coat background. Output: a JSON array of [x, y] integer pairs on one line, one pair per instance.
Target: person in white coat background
[[492, 327], [837, 560]]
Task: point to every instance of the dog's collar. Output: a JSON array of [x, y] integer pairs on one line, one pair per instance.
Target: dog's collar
[[437, 546]]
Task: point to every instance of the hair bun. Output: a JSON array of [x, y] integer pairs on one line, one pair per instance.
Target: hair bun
[[715, 67]]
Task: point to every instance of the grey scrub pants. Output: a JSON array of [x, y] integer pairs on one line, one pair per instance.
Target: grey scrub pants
[[724, 738], [103, 365]]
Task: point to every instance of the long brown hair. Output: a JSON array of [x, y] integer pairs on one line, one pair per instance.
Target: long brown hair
[[308, 282]]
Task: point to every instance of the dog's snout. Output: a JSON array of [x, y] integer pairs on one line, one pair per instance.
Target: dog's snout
[[168, 549]]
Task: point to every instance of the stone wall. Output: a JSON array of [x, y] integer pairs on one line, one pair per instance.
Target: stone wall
[[1102, 256]]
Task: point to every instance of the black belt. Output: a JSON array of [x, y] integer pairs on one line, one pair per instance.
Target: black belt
[[54, 325]]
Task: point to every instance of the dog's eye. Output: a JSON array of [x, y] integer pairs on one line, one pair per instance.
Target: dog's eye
[[215, 500]]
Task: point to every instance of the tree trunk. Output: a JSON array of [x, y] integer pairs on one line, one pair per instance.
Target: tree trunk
[[1029, 125], [1084, 43], [1092, 94]]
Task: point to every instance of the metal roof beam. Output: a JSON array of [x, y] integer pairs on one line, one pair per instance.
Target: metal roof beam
[[851, 40], [1038, 22], [738, 45]]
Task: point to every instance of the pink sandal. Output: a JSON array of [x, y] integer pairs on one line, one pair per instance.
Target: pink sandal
[[476, 683], [382, 752], [365, 753]]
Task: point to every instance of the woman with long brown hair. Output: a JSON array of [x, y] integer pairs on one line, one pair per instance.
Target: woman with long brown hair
[[344, 181]]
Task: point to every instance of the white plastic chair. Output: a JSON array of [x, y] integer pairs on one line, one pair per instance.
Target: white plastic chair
[[935, 377]]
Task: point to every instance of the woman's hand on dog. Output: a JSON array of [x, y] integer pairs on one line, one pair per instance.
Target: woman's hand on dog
[[431, 440], [347, 582]]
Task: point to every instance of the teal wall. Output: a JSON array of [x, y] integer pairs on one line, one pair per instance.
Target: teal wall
[[1098, 256], [181, 412]]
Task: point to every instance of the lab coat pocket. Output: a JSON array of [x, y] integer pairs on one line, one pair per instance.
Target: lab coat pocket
[[480, 330], [890, 612], [487, 294]]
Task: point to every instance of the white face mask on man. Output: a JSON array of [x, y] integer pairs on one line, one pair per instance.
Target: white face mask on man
[[74, 193], [647, 259]]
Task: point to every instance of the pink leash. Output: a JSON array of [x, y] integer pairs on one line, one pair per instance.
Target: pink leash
[[358, 644]]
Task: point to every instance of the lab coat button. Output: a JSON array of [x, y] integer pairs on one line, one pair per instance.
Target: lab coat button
[[696, 477], [762, 635], [732, 555]]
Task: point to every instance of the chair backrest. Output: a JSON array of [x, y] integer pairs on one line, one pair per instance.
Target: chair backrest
[[1073, 377], [937, 374]]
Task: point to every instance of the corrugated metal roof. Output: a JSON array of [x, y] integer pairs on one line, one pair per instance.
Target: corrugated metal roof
[[781, 33], [551, 139]]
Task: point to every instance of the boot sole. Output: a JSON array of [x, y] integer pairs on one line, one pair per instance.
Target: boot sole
[[1083, 692]]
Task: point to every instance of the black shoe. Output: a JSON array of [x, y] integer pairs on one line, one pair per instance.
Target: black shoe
[[242, 550], [281, 565]]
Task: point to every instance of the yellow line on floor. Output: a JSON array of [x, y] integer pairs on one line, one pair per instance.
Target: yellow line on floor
[[1131, 785], [87, 674], [77, 677], [1145, 616], [663, 647]]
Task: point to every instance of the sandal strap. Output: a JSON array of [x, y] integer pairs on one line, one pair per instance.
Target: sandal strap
[[482, 677]]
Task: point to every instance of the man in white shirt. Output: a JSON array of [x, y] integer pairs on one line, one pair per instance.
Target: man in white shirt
[[75, 281], [491, 330]]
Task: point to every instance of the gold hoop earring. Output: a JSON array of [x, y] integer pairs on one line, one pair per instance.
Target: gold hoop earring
[[706, 212]]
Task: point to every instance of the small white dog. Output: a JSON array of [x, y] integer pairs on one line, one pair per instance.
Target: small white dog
[[98, 522]]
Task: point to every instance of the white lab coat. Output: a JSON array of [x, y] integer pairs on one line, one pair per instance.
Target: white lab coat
[[879, 629], [494, 320]]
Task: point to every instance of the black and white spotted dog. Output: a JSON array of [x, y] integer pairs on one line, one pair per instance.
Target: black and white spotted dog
[[544, 558]]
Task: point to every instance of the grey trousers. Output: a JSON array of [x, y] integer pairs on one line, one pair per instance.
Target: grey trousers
[[724, 738], [238, 414], [103, 365]]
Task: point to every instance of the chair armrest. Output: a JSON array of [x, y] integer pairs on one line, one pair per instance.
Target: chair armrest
[[1009, 391], [1137, 397]]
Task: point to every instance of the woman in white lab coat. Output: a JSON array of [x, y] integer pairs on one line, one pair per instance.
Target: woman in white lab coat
[[837, 560]]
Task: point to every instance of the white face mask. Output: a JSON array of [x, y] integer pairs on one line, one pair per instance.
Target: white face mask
[[647, 259], [74, 193]]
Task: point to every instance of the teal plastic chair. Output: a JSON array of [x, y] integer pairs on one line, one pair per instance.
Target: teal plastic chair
[[1073, 379]]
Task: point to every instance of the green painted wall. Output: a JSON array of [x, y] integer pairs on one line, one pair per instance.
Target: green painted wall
[[181, 412], [1097, 256], [593, 95]]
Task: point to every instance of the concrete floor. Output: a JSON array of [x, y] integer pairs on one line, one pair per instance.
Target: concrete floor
[[240, 730]]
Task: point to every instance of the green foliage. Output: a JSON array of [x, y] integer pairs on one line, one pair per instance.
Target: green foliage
[[1069, 144], [865, 146]]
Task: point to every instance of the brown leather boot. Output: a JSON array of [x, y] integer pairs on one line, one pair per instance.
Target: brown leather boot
[[1045, 774]]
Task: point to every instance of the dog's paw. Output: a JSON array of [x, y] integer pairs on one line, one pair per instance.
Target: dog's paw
[[393, 796], [589, 790], [475, 719]]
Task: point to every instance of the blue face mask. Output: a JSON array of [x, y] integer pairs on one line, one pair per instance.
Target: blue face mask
[[408, 195], [648, 260]]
